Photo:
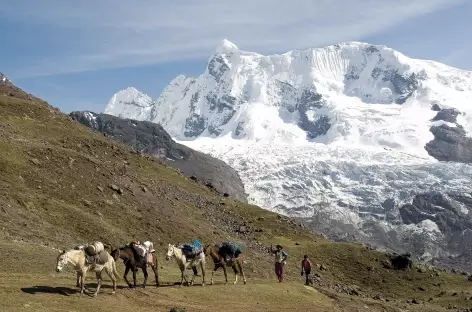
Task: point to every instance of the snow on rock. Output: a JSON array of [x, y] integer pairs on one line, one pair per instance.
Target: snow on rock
[[226, 46], [130, 102], [4, 79], [333, 132]]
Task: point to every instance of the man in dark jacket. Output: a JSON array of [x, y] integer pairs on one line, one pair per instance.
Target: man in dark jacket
[[306, 269]]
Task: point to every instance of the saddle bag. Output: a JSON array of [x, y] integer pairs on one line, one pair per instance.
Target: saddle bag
[[140, 250], [150, 258], [94, 249]]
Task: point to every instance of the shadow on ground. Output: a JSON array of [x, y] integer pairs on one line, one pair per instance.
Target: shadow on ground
[[65, 291]]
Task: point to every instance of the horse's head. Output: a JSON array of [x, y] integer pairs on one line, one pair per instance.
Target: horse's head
[[115, 253], [212, 251], [208, 249], [61, 261], [170, 251]]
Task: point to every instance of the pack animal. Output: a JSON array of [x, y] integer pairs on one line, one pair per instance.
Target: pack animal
[[219, 261], [94, 257], [184, 263], [77, 258], [133, 262]]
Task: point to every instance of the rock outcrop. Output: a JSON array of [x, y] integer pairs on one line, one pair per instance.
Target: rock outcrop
[[450, 141], [9, 89], [150, 138]]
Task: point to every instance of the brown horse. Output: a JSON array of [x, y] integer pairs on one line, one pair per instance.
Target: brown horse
[[133, 262], [219, 262]]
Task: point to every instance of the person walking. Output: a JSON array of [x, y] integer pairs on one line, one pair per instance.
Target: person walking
[[306, 269], [280, 261]]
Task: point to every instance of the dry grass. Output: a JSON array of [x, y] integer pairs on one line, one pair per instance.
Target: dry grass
[[55, 178]]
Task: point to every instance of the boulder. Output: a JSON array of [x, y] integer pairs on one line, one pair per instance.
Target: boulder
[[400, 262]]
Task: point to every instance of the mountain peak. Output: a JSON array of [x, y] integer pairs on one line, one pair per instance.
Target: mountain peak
[[129, 97], [226, 46], [130, 91]]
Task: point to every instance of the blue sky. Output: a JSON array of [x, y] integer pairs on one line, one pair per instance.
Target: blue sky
[[77, 54]]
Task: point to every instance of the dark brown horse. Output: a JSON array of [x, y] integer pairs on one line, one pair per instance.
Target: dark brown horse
[[133, 262], [220, 262]]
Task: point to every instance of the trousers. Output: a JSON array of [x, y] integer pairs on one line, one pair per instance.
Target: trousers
[[307, 277], [279, 271]]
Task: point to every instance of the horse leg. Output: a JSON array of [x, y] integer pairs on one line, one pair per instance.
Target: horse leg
[[98, 274], [235, 270], [182, 267], [156, 274], [213, 274], [78, 280], [83, 273], [113, 279], [145, 274], [240, 266], [195, 273], [202, 265], [125, 277], [134, 276], [225, 273], [183, 277], [78, 284]]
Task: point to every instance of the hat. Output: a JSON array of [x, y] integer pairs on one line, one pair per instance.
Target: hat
[[279, 246]]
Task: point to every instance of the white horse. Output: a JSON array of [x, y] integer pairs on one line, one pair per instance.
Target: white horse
[[77, 259], [185, 263]]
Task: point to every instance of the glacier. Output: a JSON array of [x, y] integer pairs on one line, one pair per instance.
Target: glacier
[[334, 135]]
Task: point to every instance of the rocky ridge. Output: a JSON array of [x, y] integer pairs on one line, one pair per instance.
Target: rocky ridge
[[150, 138]]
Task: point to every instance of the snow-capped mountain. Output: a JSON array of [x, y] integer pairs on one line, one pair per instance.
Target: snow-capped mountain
[[347, 136]]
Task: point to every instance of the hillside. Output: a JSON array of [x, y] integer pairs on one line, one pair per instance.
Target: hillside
[[361, 141], [150, 138], [62, 184]]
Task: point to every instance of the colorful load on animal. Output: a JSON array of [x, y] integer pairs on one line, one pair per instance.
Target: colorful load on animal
[[191, 250], [229, 251]]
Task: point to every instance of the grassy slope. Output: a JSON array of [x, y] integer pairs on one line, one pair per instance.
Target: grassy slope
[[55, 178]]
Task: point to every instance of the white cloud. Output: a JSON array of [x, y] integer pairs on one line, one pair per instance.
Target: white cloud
[[118, 33]]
